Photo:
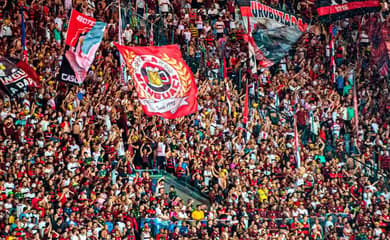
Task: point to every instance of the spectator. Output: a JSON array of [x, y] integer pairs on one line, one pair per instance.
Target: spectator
[[74, 160]]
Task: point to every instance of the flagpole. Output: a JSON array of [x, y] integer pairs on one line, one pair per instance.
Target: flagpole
[[25, 57], [296, 141], [239, 79], [173, 35], [355, 101], [122, 67], [355, 105], [332, 53], [221, 75], [228, 97], [120, 23], [246, 107], [296, 133]]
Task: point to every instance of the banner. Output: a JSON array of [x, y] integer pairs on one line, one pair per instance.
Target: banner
[[164, 83], [332, 10], [82, 41], [16, 78], [271, 32], [30, 72]]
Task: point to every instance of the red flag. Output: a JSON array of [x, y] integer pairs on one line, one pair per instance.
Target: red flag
[[259, 55], [31, 73], [83, 38], [165, 84], [246, 107], [78, 24], [384, 70]]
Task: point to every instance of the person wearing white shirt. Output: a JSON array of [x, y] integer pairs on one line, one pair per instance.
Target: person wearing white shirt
[[160, 153], [73, 166], [164, 6], [140, 7], [375, 127], [128, 34], [329, 224], [302, 211], [187, 35], [59, 23]]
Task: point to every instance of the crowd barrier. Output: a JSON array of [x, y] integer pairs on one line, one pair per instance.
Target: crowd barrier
[[156, 224]]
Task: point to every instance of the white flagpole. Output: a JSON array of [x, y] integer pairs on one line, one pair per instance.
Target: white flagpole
[[122, 63], [120, 23]]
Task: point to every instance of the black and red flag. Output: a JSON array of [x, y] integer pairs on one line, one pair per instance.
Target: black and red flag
[[271, 31], [332, 10], [16, 76], [165, 84], [82, 41]]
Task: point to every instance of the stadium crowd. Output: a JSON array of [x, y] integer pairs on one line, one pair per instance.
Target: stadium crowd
[[69, 154]]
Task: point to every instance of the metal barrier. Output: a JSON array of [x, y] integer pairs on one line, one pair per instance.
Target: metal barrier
[[157, 224], [373, 172], [187, 190], [152, 172]]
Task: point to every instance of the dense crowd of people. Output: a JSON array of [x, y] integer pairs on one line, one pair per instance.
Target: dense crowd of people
[[70, 154]]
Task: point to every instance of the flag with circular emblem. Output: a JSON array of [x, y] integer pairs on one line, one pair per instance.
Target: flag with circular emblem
[[164, 83]]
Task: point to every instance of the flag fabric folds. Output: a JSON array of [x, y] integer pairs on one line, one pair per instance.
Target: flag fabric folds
[[379, 35], [384, 70], [30, 72], [273, 31], [15, 78], [332, 10], [165, 84], [82, 41]]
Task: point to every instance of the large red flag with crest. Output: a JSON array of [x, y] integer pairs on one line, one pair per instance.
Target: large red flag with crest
[[165, 84]]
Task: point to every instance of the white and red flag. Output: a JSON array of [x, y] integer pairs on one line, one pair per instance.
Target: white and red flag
[[165, 84]]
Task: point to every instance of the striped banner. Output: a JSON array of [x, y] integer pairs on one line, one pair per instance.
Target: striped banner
[[331, 10]]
